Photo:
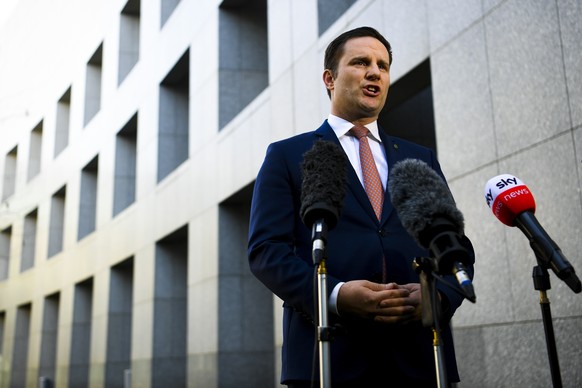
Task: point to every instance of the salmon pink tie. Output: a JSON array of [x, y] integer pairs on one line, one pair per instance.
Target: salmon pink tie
[[372, 183]]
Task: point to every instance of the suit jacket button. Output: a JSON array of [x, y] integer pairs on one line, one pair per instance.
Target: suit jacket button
[[383, 232]]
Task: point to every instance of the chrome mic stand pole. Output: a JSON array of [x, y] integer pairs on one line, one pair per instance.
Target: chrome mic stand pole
[[431, 314], [323, 331]]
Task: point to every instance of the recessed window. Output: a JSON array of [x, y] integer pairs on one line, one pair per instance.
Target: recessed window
[[88, 199], [20, 346], [35, 151], [5, 246], [10, 163], [80, 354], [173, 136], [244, 303], [167, 8], [57, 222], [409, 112], [119, 323], [29, 241], [93, 84], [2, 332], [328, 11], [49, 335], [170, 300], [63, 122], [243, 56], [125, 166], [129, 25]]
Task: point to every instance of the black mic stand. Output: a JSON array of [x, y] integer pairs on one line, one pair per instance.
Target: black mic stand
[[431, 313], [548, 255], [319, 255], [541, 282]]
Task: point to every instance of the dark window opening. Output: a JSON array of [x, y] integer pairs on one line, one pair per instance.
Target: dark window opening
[[409, 111]]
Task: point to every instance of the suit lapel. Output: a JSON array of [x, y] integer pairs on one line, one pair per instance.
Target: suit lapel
[[354, 185], [392, 156]]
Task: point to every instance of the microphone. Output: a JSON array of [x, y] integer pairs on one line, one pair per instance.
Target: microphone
[[513, 204], [429, 214], [323, 188]]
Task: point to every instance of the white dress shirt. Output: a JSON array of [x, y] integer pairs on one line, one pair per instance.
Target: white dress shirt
[[351, 146]]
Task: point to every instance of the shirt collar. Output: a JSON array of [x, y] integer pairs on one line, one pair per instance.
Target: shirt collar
[[341, 127]]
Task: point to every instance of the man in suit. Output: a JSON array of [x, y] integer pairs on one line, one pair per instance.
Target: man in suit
[[374, 293]]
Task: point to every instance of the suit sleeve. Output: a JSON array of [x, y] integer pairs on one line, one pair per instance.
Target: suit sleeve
[[278, 240]]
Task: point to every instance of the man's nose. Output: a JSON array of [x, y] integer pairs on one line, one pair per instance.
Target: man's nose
[[373, 71]]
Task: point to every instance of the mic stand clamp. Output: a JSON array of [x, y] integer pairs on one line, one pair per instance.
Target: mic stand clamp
[[431, 313]]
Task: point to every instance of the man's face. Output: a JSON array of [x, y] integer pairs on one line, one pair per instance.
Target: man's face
[[360, 87]]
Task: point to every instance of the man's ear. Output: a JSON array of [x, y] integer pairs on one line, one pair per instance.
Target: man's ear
[[328, 79]]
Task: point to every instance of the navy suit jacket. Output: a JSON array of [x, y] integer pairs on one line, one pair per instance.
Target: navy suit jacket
[[359, 247]]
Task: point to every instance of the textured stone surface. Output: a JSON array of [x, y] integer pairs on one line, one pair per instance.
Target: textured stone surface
[[462, 103], [515, 355], [570, 18], [449, 18], [526, 73]]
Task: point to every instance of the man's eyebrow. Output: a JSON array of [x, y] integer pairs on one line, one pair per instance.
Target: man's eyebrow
[[360, 57]]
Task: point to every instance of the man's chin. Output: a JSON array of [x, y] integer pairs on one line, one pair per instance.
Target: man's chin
[[373, 105], [372, 110]]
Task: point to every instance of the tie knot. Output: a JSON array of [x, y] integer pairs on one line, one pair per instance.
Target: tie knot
[[359, 131]]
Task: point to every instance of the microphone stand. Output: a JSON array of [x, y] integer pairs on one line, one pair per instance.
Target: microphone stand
[[431, 314], [548, 255], [541, 282], [319, 256]]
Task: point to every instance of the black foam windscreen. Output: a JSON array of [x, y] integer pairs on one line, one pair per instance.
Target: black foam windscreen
[[324, 182], [422, 200]]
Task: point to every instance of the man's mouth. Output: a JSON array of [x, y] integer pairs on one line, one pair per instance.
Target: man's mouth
[[372, 90]]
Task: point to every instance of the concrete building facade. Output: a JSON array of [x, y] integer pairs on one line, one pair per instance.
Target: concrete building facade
[[131, 133]]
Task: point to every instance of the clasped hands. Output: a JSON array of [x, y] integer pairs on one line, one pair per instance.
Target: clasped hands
[[384, 303]]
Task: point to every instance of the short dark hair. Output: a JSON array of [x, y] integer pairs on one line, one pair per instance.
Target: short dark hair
[[335, 49]]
